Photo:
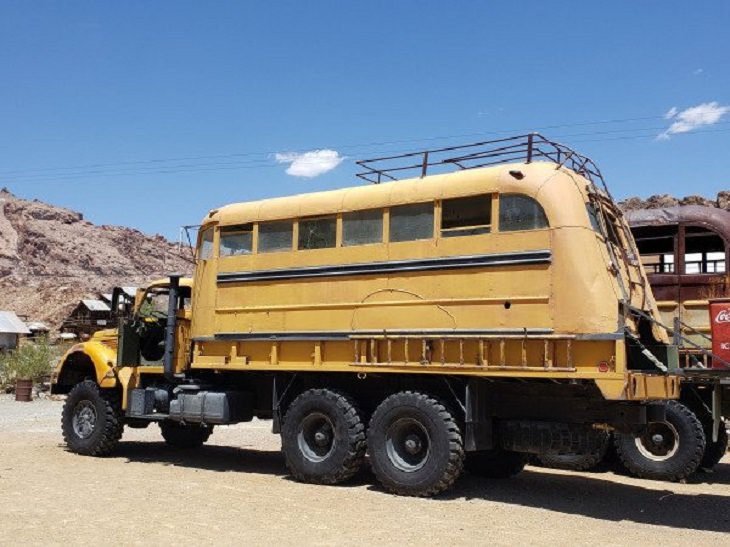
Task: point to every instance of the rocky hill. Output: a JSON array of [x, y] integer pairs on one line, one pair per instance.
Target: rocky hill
[[51, 257], [722, 201]]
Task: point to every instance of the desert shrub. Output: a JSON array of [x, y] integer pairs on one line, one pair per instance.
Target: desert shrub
[[4, 379], [31, 361]]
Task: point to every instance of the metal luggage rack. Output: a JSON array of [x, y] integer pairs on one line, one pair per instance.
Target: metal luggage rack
[[522, 148]]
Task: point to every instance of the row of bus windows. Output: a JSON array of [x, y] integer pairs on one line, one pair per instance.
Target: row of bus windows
[[459, 217]]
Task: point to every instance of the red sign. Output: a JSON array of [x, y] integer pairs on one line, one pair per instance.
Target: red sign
[[720, 325]]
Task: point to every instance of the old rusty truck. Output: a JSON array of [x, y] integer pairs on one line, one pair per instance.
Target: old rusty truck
[[490, 307]]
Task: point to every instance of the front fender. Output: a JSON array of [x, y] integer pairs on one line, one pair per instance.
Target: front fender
[[86, 358]]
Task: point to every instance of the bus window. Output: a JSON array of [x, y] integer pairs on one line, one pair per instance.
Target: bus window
[[205, 250], [411, 222], [466, 216], [317, 233], [362, 227], [236, 240], [518, 212], [593, 217], [704, 251], [656, 247], [275, 236]]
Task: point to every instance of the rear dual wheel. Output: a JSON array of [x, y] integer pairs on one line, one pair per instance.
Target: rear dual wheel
[[323, 437], [415, 445]]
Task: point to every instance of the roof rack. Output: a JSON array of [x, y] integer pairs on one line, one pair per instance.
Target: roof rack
[[522, 148]]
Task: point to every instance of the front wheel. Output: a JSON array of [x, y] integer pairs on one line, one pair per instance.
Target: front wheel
[[415, 445], [670, 450], [91, 419]]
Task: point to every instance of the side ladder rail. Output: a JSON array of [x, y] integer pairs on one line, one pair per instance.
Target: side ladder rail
[[490, 352]]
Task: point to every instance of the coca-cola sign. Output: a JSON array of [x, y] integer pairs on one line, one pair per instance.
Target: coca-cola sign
[[723, 316]]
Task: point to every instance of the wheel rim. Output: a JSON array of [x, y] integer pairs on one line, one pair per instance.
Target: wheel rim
[[407, 444], [84, 419], [316, 438], [659, 442]]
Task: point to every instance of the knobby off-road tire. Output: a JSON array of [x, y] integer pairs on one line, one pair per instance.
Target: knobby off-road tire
[[670, 450], [185, 435], [495, 464], [577, 462], [715, 450], [415, 445], [91, 419], [323, 437]]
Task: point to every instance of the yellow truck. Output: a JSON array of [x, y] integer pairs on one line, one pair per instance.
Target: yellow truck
[[490, 307]]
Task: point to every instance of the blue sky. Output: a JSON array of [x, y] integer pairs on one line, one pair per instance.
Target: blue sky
[[148, 114]]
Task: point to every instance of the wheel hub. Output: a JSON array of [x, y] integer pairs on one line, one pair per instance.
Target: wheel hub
[[316, 437], [659, 442], [84, 419], [407, 444], [413, 444], [322, 437]]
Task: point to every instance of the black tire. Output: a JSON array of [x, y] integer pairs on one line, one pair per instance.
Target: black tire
[[415, 445], [715, 450], [323, 437], [185, 435], [577, 462], [495, 464], [91, 419], [670, 450]]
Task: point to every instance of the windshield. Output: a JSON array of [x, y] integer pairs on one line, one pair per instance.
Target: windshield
[[154, 304]]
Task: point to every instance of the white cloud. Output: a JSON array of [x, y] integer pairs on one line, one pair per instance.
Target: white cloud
[[671, 113], [698, 71], [309, 164], [692, 118]]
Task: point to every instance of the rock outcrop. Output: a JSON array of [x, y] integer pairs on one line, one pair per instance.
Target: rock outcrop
[[51, 257], [660, 201]]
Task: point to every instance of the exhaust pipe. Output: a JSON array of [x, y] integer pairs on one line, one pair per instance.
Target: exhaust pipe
[[168, 361]]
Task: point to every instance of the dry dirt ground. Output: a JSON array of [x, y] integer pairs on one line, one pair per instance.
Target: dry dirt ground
[[235, 490]]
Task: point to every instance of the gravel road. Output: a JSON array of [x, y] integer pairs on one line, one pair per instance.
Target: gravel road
[[235, 490]]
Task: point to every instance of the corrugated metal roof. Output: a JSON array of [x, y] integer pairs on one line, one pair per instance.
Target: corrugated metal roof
[[11, 324], [96, 305], [719, 218], [37, 325]]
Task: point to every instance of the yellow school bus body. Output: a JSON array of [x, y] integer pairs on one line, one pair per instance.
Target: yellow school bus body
[[536, 303]]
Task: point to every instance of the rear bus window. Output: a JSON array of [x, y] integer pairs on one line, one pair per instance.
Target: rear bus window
[[317, 233], [411, 222], [518, 212], [466, 216], [236, 240], [275, 236], [362, 227]]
